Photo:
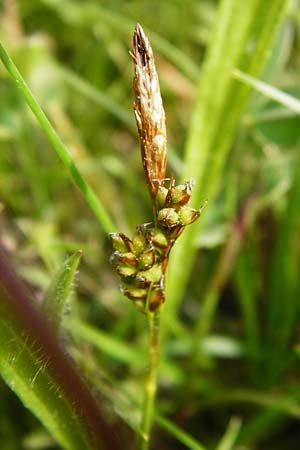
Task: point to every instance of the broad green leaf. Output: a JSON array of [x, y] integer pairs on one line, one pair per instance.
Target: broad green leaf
[[57, 297]]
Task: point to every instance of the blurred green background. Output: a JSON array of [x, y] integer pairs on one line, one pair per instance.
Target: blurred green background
[[232, 347]]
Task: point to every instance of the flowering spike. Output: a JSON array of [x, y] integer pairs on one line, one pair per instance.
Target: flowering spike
[[142, 261], [149, 112]]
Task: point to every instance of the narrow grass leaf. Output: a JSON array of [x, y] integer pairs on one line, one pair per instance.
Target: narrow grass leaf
[[283, 306], [58, 145], [229, 439], [288, 405], [186, 439], [98, 97], [108, 344], [245, 286], [269, 91], [119, 350]]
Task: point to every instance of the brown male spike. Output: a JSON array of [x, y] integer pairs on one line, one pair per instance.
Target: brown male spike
[[149, 112]]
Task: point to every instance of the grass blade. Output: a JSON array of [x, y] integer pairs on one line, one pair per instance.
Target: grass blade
[[217, 111], [186, 439], [58, 145], [283, 306], [269, 91], [107, 344], [117, 349], [42, 374], [98, 97], [228, 440]]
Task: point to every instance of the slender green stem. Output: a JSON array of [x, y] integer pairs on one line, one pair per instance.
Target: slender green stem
[[58, 145], [151, 379]]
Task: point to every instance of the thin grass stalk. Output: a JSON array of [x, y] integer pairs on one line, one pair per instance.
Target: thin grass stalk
[[150, 386]]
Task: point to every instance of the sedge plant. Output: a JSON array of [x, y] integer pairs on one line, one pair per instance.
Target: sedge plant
[[142, 261], [237, 52]]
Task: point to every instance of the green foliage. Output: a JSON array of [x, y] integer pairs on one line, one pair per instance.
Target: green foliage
[[56, 141], [34, 366], [241, 39], [25, 372]]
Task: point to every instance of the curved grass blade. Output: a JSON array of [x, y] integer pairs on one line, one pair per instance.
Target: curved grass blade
[[58, 145], [186, 439]]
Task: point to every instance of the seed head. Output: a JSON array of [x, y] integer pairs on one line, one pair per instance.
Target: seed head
[[142, 261]]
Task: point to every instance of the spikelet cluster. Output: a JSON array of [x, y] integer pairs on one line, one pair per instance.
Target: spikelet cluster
[[141, 262]]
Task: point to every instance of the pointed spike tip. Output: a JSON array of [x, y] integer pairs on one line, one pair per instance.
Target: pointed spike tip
[[149, 111]]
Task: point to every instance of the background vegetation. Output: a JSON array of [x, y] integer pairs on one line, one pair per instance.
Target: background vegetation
[[229, 374]]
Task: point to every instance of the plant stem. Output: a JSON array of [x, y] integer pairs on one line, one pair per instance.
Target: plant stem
[[58, 145], [151, 379]]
